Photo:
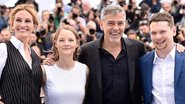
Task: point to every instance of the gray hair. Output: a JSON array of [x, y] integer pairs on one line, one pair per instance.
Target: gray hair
[[112, 9]]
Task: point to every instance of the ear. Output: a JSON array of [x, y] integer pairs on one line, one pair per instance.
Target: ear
[[101, 25], [174, 30]]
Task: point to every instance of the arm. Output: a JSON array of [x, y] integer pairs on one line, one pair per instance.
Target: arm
[[3, 55]]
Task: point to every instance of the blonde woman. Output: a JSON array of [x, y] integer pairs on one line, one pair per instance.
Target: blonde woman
[[20, 71], [66, 79]]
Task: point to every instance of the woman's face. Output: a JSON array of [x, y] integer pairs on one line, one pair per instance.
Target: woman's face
[[23, 25], [66, 43]]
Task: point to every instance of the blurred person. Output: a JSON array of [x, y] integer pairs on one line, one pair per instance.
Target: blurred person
[[167, 6], [44, 36], [66, 80], [75, 15], [20, 69], [162, 70], [180, 36], [144, 30], [132, 34], [33, 3], [86, 6], [38, 48], [3, 18], [45, 16], [5, 35], [93, 15], [59, 13], [91, 33], [155, 5]]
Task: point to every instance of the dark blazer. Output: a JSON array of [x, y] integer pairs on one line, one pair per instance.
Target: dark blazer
[[146, 66], [91, 57]]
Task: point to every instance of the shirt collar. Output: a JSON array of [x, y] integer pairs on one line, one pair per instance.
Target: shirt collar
[[122, 42], [171, 54], [17, 43]]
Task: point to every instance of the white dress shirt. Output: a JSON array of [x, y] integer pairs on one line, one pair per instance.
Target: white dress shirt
[[163, 79], [3, 52]]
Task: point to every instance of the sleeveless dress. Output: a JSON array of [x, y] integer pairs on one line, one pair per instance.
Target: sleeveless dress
[[65, 86]]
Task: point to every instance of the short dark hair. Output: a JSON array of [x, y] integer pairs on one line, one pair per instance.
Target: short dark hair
[[162, 16]]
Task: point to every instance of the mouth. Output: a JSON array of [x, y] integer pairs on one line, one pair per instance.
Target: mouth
[[115, 34], [22, 30], [160, 43]]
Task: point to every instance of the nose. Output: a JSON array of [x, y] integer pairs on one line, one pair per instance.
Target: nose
[[23, 23], [158, 36], [66, 43], [116, 27]]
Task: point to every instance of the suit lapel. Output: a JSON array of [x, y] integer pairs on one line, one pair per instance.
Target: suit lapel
[[178, 66], [149, 68], [131, 62], [97, 62]]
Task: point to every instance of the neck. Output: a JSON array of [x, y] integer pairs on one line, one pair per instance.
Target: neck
[[65, 63], [163, 53], [112, 48]]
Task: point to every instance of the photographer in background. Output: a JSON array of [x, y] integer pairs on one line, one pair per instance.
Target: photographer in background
[[3, 19], [75, 14], [180, 35], [91, 33], [44, 36], [58, 13], [5, 35]]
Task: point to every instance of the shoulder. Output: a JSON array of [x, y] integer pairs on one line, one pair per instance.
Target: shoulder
[[133, 42], [3, 47], [147, 56], [48, 67], [83, 66], [92, 43]]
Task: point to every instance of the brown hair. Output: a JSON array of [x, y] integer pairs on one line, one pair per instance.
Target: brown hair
[[162, 16], [55, 55], [26, 7]]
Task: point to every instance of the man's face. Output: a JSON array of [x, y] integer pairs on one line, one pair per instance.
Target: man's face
[[144, 29], [113, 27], [5, 35], [162, 35], [166, 7]]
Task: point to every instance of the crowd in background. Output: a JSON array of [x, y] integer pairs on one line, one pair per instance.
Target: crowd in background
[[80, 15]]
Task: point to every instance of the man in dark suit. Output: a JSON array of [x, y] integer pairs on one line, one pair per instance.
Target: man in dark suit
[[112, 60], [163, 70]]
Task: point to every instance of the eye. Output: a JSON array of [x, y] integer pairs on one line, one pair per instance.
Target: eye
[[61, 40], [71, 40], [18, 20], [120, 23], [110, 23], [28, 21], [153, 33], [162, 32]]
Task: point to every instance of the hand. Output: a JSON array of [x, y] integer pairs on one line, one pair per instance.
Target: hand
[[1, 102], [48, 61], [180, 48]]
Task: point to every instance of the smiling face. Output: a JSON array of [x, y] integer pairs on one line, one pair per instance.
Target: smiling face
[[23, 24], [113, 26], [162, 35], [66, 43]]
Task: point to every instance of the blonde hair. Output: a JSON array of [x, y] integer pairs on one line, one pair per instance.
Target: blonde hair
[[26, 7], [55, 55]]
